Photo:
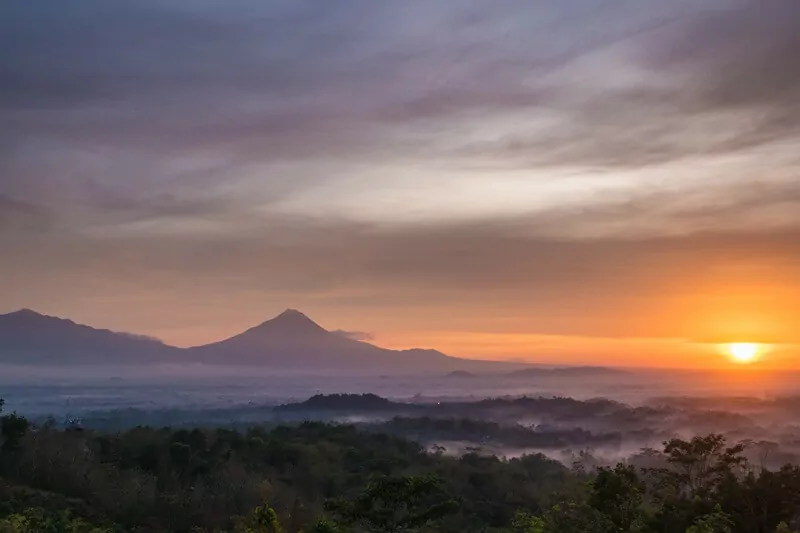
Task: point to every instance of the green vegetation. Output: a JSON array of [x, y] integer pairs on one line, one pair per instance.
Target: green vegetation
[[324, 478]]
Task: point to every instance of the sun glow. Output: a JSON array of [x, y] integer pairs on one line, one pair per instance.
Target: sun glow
[[744, 352]]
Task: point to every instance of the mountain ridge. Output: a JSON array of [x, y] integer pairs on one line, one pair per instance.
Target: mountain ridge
[[28, 336], [290, 340]]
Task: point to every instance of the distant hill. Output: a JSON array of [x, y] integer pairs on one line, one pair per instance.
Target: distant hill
[[27, 337], [292, 340], [567, 372], [460, 374], [289, 341], [343, 402]]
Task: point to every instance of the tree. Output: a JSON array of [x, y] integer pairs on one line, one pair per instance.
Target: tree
[[527, 523], [394, 505], [617, 494], [324, 525], [12, 429], [566, 518], [698, 465], [716, 522], [42, 521], [265, 520]]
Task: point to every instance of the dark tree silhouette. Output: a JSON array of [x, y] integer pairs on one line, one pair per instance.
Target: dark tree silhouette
[[395, 505]]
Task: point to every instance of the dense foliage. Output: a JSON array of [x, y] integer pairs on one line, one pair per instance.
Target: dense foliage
[[317, 477]]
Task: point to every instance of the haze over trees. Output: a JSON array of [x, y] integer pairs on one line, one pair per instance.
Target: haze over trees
[[322, 477]]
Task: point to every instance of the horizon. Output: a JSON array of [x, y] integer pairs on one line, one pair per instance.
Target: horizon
[[755, 366], [560, 184]]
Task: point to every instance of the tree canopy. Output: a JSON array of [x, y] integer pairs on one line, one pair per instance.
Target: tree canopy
[[331, 478]]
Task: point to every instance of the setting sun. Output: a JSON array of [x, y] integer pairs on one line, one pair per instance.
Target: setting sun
[[744, 352]]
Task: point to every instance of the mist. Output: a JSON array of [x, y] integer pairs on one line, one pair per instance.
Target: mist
[[600, 417]]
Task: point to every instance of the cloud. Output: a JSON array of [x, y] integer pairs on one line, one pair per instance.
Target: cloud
[[355, 335], [704, 83], [17, 215], [475, 276], [619, 83], [744, 54], [562, 168], [136, 336], [224, 109]]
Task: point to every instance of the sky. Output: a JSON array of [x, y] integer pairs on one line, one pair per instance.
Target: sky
[[582, 181]]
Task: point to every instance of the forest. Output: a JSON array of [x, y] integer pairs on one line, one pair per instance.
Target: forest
[[334, 477]]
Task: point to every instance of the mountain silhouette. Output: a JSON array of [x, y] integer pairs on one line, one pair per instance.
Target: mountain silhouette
[[568, 372], [289, 341], [28, 337], [292, 340]]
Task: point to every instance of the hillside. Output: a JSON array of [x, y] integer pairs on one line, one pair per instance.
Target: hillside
[[568, 372], [27, 337], [289, 341], [292, 340]]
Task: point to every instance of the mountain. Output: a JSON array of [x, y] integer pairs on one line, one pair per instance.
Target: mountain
[[289, 341], [27, 337], [568, 372], [292, 340], [460, 374], [344, 402]]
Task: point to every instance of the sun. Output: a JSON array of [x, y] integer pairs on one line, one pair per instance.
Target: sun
[[744, 352]]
